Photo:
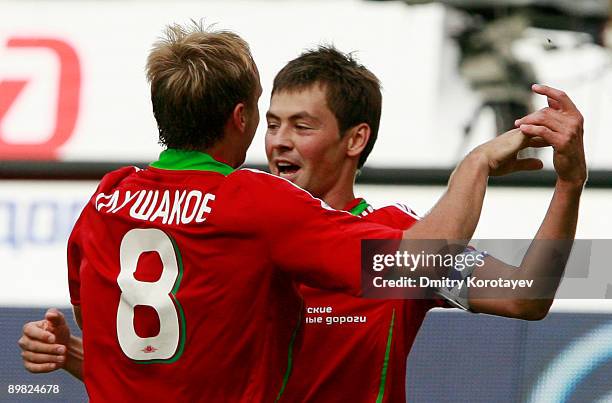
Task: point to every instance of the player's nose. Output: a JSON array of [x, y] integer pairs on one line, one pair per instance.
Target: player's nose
[[281, 139]]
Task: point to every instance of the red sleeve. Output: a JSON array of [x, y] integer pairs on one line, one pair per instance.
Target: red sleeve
[[318, 245], [396, 216]]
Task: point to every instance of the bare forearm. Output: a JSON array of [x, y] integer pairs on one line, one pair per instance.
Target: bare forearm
[[543, 263], [74, 357], [562, 215], [547, 256]]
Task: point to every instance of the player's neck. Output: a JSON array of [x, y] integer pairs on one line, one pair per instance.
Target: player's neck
[[227, 153], [340, 200], [342, 193]]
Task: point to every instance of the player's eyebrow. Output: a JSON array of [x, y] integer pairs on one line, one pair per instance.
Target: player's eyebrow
[[303, 115], [270, 115], [295, 116]]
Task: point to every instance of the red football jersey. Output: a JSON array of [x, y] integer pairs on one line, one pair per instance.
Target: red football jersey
[[354, 349], [185, 276]]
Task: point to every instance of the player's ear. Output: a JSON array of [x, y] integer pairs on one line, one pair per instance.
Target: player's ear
[[239, 117], [358, 137]]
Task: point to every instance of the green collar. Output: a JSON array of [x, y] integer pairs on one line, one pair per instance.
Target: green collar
[[359, 208], [179, 160]]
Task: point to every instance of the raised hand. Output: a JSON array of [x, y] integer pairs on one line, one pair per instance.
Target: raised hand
[[501, 153], [560, 125]]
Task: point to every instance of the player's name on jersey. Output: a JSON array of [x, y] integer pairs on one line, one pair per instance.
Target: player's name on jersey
[[167, 207]]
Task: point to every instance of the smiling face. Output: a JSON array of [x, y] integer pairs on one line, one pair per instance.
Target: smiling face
[[303, 141]]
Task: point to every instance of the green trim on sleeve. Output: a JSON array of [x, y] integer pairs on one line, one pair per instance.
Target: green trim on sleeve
[[185, 160]]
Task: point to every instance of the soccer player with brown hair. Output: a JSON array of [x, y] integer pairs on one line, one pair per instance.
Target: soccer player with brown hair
[[322, 125]]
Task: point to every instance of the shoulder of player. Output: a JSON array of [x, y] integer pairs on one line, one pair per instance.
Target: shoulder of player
[[112, 179], [396, 215], [265, 182], [256, 176], [396, 209], [108, 184], [265, 189]]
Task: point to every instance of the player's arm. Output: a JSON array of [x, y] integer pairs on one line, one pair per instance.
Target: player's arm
[[332, 238], [560, 125], [453, 219], [456, 214], [47, 345]]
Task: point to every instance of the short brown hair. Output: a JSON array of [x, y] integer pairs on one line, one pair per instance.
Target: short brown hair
[[197, 78], [352, 91]]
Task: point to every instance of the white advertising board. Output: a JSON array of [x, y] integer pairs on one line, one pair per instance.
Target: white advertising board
[[36, 218], [35, 221]]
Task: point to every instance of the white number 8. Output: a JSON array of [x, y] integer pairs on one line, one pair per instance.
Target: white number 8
[[168, 344]]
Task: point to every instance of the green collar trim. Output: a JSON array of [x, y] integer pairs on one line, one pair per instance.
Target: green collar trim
[[184, 160], [359, 208]]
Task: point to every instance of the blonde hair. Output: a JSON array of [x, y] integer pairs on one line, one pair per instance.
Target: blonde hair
[[197, 77]]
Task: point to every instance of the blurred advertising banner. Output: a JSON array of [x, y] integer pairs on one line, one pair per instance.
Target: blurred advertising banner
[[72, 85], [36, 218]]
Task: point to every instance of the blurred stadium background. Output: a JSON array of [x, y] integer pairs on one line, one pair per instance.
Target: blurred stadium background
[[74, 104]]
